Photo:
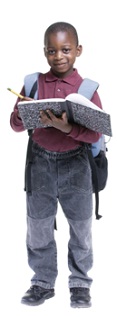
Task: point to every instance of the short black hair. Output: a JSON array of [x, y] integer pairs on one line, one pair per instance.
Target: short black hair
[[61, 26]]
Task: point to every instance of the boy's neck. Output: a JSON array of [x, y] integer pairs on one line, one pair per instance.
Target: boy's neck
[[64, 75]]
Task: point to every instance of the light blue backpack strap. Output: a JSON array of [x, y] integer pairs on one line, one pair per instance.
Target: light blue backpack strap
[[97, 146], [88, 87], [29, 81]]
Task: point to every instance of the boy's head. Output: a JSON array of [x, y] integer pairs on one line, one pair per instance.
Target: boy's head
[[61, 47]]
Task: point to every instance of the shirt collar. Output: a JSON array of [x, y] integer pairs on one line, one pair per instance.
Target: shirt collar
[[70, 79]]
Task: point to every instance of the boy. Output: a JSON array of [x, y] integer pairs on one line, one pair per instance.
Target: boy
[[60, 171]]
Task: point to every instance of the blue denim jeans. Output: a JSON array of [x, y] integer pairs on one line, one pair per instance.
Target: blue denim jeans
[[63, 177]]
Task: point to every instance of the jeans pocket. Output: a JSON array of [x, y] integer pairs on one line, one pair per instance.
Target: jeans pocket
[[80, 174]]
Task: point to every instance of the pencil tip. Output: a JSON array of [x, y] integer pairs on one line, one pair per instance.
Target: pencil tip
[[8, 88]]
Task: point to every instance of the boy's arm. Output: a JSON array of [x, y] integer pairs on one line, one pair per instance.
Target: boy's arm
[[83, 134]]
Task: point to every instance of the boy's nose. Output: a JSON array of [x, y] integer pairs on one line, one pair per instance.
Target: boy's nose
[[58, 55]]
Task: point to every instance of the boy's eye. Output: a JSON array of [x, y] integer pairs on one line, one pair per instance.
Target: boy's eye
[[66, 50], [51, 52]]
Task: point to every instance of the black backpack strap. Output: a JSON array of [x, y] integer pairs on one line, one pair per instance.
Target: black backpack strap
[[30, 84], [94, 180], [27, 186], [33, 90]]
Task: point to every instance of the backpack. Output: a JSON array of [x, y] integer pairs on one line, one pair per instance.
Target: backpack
[[96, 151]]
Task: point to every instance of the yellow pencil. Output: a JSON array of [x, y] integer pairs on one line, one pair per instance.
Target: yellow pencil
[[15, 93]]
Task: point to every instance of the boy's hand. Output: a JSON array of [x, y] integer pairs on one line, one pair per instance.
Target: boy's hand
[[62, 124]]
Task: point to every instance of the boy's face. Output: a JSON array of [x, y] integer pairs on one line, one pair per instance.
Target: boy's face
[[61, 52]]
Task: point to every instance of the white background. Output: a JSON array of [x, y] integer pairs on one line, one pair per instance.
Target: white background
[[22, 27]]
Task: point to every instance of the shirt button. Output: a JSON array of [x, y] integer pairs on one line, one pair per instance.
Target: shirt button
[[58, 89]]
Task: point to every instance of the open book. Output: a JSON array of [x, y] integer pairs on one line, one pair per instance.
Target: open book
[[79, 110]]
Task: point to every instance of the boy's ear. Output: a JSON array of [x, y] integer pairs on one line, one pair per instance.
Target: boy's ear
[[79, 50]]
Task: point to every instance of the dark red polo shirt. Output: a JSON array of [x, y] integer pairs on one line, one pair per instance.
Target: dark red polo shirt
[[50, 86]]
